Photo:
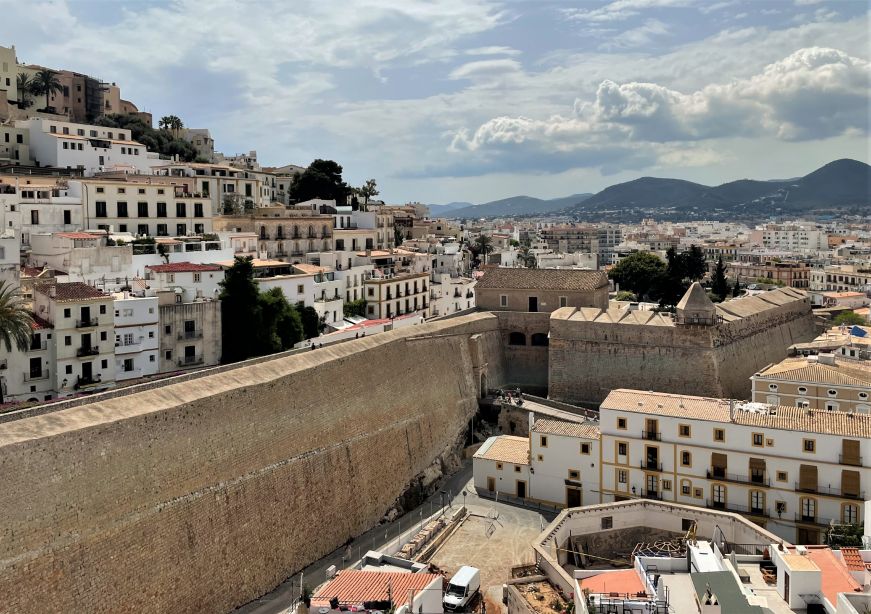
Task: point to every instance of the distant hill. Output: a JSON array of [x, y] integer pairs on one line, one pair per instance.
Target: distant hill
[[444, 210], [842, 185], [516, 206]]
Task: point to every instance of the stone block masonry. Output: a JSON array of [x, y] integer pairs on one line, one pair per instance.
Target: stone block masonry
[[201, 495]]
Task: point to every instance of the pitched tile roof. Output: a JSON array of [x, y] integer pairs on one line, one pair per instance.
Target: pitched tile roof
[[835, 576], [852, 559], [73, 291], [718, 410], [804, 370], [355, 586], [543, 279], [182, 267], [39, 323], [505, 449], [584, 430]]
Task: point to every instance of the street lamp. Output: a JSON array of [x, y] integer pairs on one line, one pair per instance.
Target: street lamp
[[464, 499]]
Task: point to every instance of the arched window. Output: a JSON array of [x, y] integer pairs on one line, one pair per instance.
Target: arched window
[[539, 339], [516, 338], [263, 232]]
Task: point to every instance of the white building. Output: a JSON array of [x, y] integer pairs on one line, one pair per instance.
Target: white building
[[94, 149], [188, 280], [136, 336], [28, 375]]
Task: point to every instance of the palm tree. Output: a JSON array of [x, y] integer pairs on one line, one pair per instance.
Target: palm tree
[[484, 245], [171, 122], [25, 86], [16, 323], [45, 82]]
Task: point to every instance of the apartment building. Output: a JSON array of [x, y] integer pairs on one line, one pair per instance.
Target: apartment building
[[82, 319], [15, 146], [136, 336], [842, 278], [792, 470], [28, 375], [821, 382], [450, 294], [92, 149], [230, 190], [35, 204], [188, 280], [541, 290], [391, 295], [143, 207], [794, 238], [190, 332], [793, 274], [202, 140], [282, 234]]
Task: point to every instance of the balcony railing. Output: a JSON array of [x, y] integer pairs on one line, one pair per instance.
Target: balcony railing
[[90, 322], [651, 494], [817, 520], [82, 382], [740, 509], [650, 465], [35, 377], [855, 461], [828, 490], [190, 361], [651, 435], [87, 351], [714, 474], [190, 334], [35, 347]]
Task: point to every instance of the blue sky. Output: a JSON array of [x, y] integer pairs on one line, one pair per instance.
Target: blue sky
[[477, 100]]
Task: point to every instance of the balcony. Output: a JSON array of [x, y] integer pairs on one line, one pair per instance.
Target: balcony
[[190, 361], [853, 461], [651, 435], [35, 376], [650, 466], [829, 491], [89, 323], [760, 512], [190, 334], [722, 476], [36, 347], [84, 382], [87, 351], [651, 494], [817, 520]]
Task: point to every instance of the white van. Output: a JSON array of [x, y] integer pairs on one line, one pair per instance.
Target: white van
[[462, 588]]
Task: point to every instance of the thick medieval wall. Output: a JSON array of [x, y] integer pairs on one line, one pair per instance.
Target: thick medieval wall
[[525, 365], [588, 359], [202, 495]]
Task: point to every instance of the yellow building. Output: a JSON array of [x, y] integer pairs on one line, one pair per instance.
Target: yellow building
[[816, 382]]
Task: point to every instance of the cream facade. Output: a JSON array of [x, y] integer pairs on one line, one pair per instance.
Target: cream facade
[[822, 382], [393, 295], [190, 332], [136, 336]]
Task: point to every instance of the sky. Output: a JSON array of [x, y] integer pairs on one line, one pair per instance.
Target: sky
[[475, 100]]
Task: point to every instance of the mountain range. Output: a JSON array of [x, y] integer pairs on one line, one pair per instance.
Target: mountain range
[[840, 186]]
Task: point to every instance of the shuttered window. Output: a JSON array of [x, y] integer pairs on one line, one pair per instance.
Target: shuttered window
[[718, 460], [850, 482], [850, 451], [807, 477]]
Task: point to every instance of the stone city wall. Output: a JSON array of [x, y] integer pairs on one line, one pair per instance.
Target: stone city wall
[[200, 496], [525, 365]]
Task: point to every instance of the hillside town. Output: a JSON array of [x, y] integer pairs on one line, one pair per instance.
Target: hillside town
[[570, 413]]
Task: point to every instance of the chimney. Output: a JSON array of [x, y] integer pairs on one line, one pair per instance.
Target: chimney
[[52, 290], [732, 410], [531, 420]]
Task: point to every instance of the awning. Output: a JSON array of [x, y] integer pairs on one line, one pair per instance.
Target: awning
[[718, 460]]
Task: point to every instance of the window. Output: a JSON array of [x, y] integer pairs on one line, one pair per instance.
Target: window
[[100, 208], [67, 312], [758, 440], [300, 289], [102, 310], [863, 395], [698, 493], [782, 476], [198, 209], [683, 430], [197, 277], [68, 340], [585, 448], [160, 190], [128, 364], [832, 393], [685, 487], [161, 209], [503, 300], [540, 457], [120, 190], [802, 390], [162, 230], [180, 210], [574, 474], [168, 355], [686, 459], [621, 423], [780, 507], [104, 364], [100, 190], [849, 513], [832, 406], [621, 449], [516, 468], [719, 435], [772, 387], [718, 495], [68, 370], [542, 440], [809, 445], [142, 229], [563, 301], [499, 466], [666, 485], [622, 476], [607, 522], [142, 209], [34, 217], [122, 209], [808, 508]]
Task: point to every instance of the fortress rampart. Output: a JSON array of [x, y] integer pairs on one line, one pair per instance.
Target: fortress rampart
[[593, 351], [201, 495]]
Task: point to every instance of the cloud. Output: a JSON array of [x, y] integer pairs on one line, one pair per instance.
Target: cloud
[[485, 69], [620, 10], [642, 36], [493, 50]]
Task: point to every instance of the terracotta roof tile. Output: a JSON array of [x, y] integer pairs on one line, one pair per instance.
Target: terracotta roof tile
[[852, 559], [73, 291], [354, 586], [39, 323], [543, 279], [584, 430], [803, 370], [505, 449], [717, 410]]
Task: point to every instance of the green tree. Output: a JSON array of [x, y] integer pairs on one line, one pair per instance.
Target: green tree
[[161, 141], [695, 267], [397, 236], [369, 190], [639, 273], [322, 179], [736, 291], [355, 308], [240, 311], [719, 285], [280, 323], [45, 82], [625, 295], [16, 323], [482, 246], [25, 88], [849, 318], [171, 123], [312, 325]]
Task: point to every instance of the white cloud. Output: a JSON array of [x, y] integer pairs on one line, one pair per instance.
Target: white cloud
[[493, 50], [485, 69], [619, 10], [642, 36]]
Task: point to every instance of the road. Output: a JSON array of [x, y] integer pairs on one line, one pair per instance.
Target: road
[[279, 600]]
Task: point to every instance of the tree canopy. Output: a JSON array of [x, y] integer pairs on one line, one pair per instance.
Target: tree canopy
[[849, 318], [640, 273], [322, 179], [163, 141], [719, 285]]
